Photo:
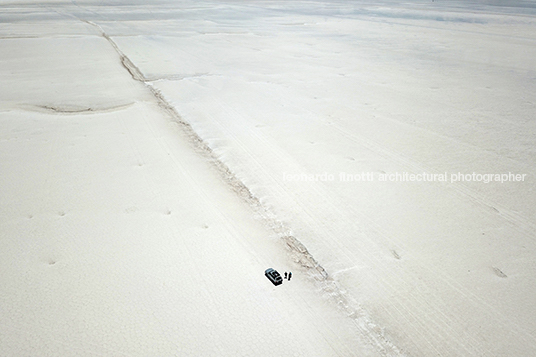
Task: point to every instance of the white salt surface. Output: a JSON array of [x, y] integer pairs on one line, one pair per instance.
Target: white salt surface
[[156, 158]]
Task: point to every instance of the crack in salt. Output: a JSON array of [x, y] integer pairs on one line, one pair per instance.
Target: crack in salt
[[73, 109], [298, 251]]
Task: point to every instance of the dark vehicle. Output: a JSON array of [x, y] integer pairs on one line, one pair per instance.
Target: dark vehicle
[[273, 276]]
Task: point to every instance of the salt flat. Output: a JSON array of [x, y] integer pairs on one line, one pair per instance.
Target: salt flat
[[156, 158]]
